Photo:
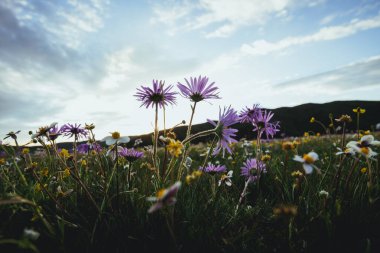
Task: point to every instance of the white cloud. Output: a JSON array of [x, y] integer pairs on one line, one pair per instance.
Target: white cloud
[[227, 15], [352, 76], [120, 67], [263, 47]]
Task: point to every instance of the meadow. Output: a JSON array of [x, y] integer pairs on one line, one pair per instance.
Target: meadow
[[316, 193]]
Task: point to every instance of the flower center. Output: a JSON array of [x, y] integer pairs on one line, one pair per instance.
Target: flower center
[[364, 150], [196, 97], [253, 172], [157, 97], [308, 159], [115, 135], [161, 193]]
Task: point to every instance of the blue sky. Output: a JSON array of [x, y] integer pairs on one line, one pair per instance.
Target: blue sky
[[81, 61]]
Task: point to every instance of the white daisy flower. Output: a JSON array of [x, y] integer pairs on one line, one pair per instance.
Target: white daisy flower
[[226, 178], [363, 146], [115, 137], [307, 161]]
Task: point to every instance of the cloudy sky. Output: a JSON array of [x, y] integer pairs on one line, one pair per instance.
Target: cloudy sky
[[80, 61]]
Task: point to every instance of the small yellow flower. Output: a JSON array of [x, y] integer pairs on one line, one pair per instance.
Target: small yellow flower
[[45, 172], [64, 153], [174, 147], [312, 120], [265, 158], [359, 110], [367, 132], [89, 127], [34, 165], [83, 163], [197, 173], [297, 173], [38, 187], [66, 173], [306, 134], [25, 151], [288, 145], [2, 161], [318, 134], [363, 170], [189, 179]]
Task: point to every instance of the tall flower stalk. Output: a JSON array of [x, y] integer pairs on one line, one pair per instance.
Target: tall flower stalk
[[196, 90]]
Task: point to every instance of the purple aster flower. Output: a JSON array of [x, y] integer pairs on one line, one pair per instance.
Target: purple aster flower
[[252, 169], [130, 154], [198, 89], [248, 114], [73, 130], [213, 169], [261, 123], [157, 96], [225, 134], [54, 132], [83, 148]]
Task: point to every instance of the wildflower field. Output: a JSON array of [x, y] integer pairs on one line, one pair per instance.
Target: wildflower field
[[316, 193]]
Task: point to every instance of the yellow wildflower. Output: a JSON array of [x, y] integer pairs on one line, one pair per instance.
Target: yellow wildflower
[[265, 158], [359, 110], [83, 163], [175, 147], [306, 134], [64, 153], [2, 161], [287, 145], [45, 172], [363, 170], [38, 187], [25, 151], [312, 120], [297, 173], [66, 172]]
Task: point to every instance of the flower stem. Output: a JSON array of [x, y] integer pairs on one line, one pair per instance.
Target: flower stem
[[155, 139]]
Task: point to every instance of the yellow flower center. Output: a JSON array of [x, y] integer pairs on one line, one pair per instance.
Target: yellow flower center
[[161, 193], [115, 135], [308, 159], [363, 170], [364, 150]]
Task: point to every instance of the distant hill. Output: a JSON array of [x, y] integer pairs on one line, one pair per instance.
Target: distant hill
[[294, 121]]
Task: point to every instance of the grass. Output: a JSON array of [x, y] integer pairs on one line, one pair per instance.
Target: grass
[[280, 212]]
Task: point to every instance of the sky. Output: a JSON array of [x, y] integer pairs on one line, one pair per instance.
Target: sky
[[81, 61]]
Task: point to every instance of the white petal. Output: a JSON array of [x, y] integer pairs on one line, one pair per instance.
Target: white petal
[[229, 174], [110, 141], [298, 159], [308, 168], [375, 143], [151, 198], [228, 182], [352, 144], [367, 138], [313, 155], [371, 153], [124, 139]]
